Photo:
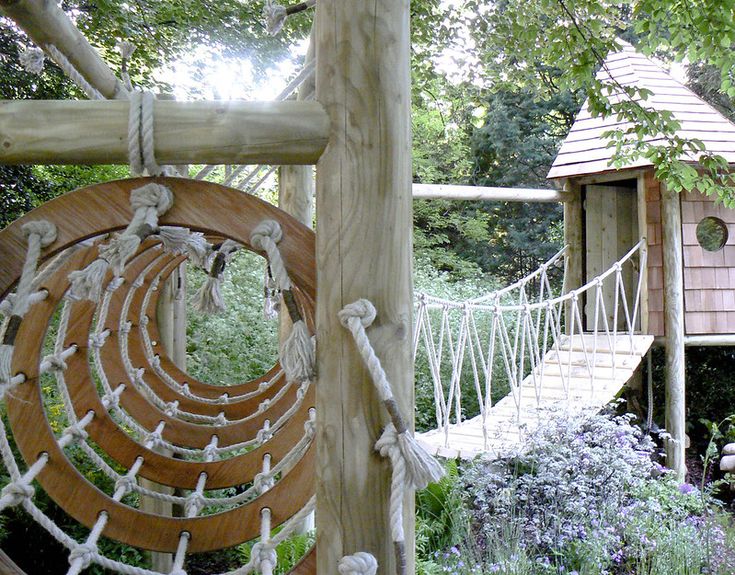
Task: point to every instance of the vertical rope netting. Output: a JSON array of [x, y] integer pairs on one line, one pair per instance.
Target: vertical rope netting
[[298, 356], [209, 297], [413, 467], [148, 203], [39, 234]]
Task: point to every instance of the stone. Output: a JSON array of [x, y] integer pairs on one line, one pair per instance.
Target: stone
[[727, 463], [729, 449]]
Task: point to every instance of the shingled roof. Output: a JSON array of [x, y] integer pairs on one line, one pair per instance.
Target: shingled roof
[[584, 151]]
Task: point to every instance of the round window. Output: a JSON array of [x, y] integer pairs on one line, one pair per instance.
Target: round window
[[712, 234]]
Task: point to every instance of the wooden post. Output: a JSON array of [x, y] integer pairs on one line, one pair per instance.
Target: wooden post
[[364, 250], [171, 320], [573, 228], [674, 326]]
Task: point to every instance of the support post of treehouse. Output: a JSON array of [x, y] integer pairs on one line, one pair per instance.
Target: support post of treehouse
[[574, 240], [363, 251], [674, 328]]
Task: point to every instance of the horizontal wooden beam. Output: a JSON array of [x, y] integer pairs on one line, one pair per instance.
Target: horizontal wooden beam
[[223, 132], [47, 24], [448, 192]]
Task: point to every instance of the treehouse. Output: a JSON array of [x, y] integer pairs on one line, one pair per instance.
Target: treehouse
[[688, 292]]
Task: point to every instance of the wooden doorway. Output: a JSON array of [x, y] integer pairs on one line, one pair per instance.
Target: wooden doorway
[[611, 230]]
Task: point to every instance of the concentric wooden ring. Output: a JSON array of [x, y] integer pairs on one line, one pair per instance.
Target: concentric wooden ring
[[97, 210]]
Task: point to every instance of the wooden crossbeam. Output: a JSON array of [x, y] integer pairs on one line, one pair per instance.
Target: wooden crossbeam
[[449, 192], [223, 132]]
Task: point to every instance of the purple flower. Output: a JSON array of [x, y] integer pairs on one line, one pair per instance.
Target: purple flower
[[455, 551], [687, 488]]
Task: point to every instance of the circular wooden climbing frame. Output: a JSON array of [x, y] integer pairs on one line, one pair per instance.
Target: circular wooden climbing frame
[[131, 406]]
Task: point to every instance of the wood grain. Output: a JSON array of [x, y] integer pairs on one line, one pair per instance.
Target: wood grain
[[221, 132], [364, 204], [675, 372]]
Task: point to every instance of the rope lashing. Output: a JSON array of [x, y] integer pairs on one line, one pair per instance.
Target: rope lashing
[[360, 563], [209, 297], [298, 356], [32, 60], [413, 467], [39, 234], [148, 203], [141, 151], [275, 14]]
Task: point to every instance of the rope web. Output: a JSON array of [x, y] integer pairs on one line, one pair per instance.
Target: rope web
[[124, 416]]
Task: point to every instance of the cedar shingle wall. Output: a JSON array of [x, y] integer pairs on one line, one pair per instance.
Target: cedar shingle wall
[[655, 256], [709, 277]]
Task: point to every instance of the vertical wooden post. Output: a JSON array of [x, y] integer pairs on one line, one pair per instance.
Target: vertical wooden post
[[364, 250], [674, 326], [573, 219], [171, 319]]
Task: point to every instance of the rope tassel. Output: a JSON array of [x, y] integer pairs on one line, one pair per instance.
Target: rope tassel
[[298, 356], [209, 297], [148, 202], [413, 467]]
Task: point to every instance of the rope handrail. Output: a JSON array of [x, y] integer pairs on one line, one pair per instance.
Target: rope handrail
[[441, 302]]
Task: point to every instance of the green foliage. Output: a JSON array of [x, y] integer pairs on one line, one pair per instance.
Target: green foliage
[[239, 344], [577, 37]]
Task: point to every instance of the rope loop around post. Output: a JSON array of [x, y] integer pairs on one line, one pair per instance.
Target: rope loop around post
[[360, 563], [413, 467]]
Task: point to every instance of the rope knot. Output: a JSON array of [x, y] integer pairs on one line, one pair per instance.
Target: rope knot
[[83, 553], [126, 484], [263, 435], [45, 230], [275, 17], [156, 361], [210, 452], [77, 433], [152, 195], [155, 439], [263, 482], [267, 229], [56, 362], [362, 309], [262, 553], [126, 327], [360, 563], [115, 284], [220, 420], [17, 492], [32, 60], [98, 339], [194, 504]]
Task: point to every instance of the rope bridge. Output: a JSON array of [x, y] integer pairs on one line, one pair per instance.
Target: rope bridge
[[500, 362]]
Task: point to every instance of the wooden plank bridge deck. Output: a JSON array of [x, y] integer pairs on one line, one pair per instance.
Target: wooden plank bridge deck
[[567, 384]]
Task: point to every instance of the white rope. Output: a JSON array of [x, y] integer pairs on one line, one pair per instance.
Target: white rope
[[141, 148], [39, 234], [208, 298], [148, 203], [32, 59], [298, 356], [68, 68], [360, 563], [413, 467]]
